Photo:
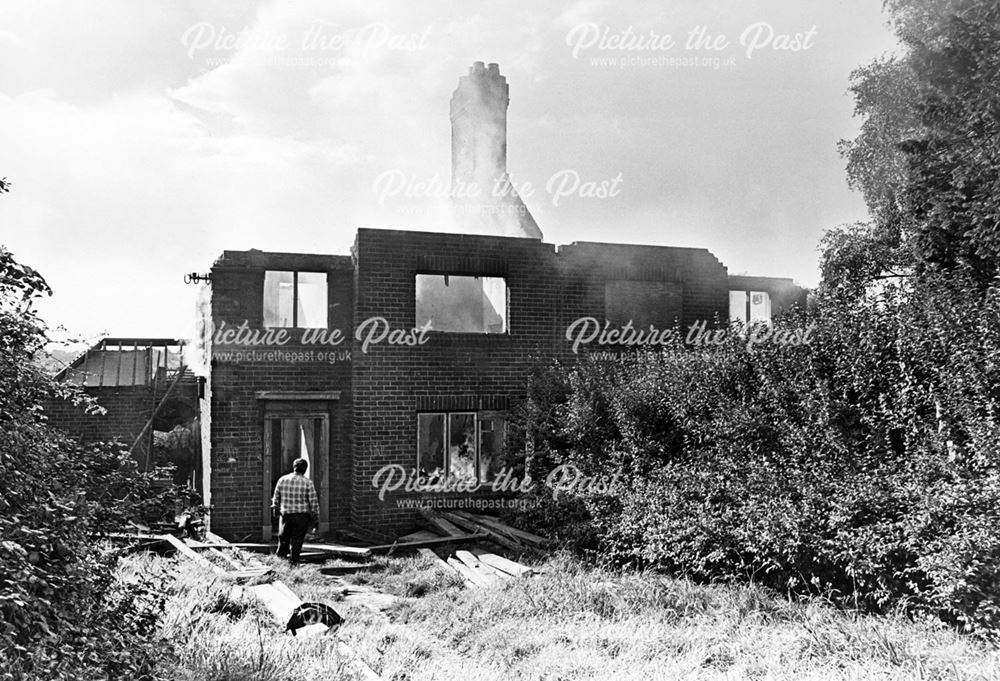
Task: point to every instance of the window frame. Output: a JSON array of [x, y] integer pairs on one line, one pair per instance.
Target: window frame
[[295, 300], [478, 417], [461, 274]]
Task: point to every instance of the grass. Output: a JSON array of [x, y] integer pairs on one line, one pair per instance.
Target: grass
[[571, 622]]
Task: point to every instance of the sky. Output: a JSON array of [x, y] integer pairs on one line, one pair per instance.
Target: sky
[[144, 138]]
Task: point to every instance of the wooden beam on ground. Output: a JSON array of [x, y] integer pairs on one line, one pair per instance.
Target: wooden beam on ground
[[188, 552], [512, 532], [493, 535], [500, 563], [443, 541], [250, 562], [282, 601], [340, 550], [427, 553], [310, 549], [440, 523], [248, 573], [422, 535], [472, 578], [228, 560], [488, 574]]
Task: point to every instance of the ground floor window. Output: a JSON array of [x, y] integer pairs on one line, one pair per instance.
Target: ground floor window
[[462, 444]]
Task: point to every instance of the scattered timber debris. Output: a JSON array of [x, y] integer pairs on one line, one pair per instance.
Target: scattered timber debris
[[425, 543], [479, 568], [290, 612], [313, 552], [296, 616]]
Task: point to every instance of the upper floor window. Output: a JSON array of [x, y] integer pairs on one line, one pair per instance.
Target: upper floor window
[[461, 303], [749, 307], [295, 299], [644, 303]]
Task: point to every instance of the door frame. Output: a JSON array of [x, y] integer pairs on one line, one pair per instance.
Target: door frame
[[299, 407]]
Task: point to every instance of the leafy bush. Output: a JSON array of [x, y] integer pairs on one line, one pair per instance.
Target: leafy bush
[[862, 466], [61, 614]]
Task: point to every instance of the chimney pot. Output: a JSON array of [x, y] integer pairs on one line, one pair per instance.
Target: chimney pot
[[494, 69], [478, 67]]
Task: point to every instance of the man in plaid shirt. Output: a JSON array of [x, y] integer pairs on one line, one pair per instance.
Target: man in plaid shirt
[[295, 499]]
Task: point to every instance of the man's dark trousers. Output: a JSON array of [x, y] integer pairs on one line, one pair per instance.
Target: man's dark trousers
[[291, 533]]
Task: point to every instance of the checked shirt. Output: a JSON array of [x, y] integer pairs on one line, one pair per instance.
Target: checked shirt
[[295, 493]]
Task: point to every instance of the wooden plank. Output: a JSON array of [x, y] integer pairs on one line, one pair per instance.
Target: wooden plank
[[188, 552], [512, 532], [340, 550], [443, 541], [282, 601], [440, 523], [486, 573], [248, 573], [493, 535], [275, 600], [250, 562], [427, 553], [310, 549], [281, 586], [418, 536], [504, 565], [471, 577], [229, 560]]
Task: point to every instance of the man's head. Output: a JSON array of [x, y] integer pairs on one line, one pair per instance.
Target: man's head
[[300, 466]]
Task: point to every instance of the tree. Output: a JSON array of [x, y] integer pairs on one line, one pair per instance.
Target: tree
[[61, 615], [927, 157]]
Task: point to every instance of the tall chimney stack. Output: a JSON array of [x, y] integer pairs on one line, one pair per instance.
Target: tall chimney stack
[[479, 155], [479, 125]]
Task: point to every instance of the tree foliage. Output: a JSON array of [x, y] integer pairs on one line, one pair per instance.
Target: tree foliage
[[927, 157], [862, 466], [61, 615]]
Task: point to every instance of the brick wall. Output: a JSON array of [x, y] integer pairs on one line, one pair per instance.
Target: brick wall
[[381, 391], [128, 408], [236, 419], [547, 290]]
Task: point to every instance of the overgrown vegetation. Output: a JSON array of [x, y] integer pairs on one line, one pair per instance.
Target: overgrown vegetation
[[861, 467], [571, 622], [864, 465], [62, 616]]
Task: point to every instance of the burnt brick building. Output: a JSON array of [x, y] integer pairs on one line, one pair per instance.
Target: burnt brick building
[[148, 399], [426, 342], [406, 355], [403, 358]]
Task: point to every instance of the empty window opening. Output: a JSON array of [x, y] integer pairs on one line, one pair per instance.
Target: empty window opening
[[753, 307], [461, 304], [295, 299]]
